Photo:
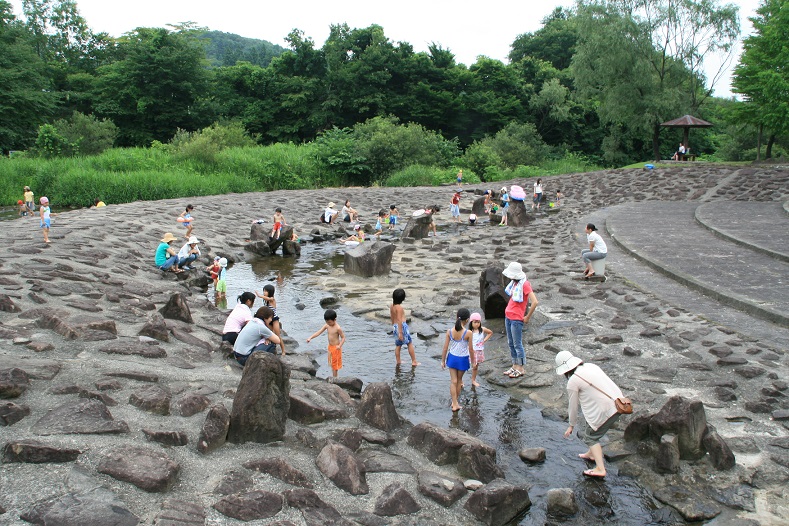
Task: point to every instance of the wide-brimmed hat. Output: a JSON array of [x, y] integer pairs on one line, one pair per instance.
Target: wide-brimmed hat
[[331, 204], [192, 240], [222, 262], [565, 361], [357, 227], [514, 271], [503, 188], [475, 316], [44, 200], [168, 237]]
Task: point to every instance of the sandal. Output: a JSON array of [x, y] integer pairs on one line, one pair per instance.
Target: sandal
[[509, 371], [591, 274], [515, 374]]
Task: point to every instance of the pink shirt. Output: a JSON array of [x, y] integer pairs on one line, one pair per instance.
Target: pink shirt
[[516, 308], [238, 318]]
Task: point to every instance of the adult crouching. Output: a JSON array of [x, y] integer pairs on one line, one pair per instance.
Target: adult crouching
[[597, 249], [256, 336]]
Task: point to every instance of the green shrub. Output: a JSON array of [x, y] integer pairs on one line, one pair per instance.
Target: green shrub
[[421, 175], [50, 143], [90, 135]]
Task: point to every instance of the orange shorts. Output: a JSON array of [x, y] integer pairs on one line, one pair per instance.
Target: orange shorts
[[335, 357]]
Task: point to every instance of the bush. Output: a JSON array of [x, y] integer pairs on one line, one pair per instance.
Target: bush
[[336, 150], [90, 135], [421, 175], [50, 143]]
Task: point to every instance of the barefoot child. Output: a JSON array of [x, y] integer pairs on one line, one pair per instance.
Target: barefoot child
[[45, 214], [186, 219], [394, 213], [279, 220], [29, 200], [214, 269], [479, 335], [400, 327], [336, 340], [458, 355], [269, 301], [221, 283]]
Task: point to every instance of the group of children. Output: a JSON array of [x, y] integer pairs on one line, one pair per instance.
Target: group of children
[[27, 207]]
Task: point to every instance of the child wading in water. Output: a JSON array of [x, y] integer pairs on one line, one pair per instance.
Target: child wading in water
[[186, 219], [221, 283], [336, 340], [479, 335], [458, 355], [269, 301], [279, 220], [400, 327]]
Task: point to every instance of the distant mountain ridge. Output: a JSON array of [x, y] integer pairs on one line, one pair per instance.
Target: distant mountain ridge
[[225, 49]]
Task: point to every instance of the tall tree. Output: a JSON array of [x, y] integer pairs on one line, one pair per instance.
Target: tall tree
[[26, 100], [155, 86], [762, 76], [643, 61], [554, 42]]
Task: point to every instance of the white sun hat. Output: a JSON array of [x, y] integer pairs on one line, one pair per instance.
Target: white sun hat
[[565, 361], [514, 271]]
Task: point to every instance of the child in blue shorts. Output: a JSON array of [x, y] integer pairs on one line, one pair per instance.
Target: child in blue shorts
[[400, 327]]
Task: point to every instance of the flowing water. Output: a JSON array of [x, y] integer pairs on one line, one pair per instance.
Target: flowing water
[[422, 394]]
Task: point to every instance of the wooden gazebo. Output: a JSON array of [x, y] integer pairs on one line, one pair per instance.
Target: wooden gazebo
[[687, 122]]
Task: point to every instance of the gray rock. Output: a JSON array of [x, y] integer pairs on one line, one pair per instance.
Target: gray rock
[[148, 469], [152, 398], [492, 298], [749, 371], [444, 490], [638, 428], [7, 304], [253, 505], [213, 434], [234, 482], [561, 502], [176, 308], [340, 465], [532, 454], [377, 408], [79, 327], [442, 446], [418, 227], [79, 417], [191, 404], [352, 385], [281, 469], [608, 339], [498, 502], [261, 405], [381, 462], [301, 362], [180, 513], [667, 457], [395, 500], [779, 414], [319, 402], [350, 438], [721, 455], [369, 259], [684, 418], [168, 438], [478, 461], [156, 328], [134, 349], [11, 413], [736, 497], [94, 507], [13, 382], [315, 511], [691, 505], [35, 452], [725, 394], [517, 214]]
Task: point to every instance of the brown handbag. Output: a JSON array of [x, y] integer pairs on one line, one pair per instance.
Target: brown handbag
[[624, 406]]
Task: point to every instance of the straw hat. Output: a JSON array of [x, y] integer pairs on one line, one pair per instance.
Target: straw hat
[[514, 271], [565, 361], [168, 237], [331, 204]]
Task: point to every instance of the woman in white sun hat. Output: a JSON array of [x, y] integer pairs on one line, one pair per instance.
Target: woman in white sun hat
[[589, 385], [521, 294]]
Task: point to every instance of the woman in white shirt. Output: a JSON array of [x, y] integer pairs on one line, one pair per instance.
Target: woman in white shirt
[[596, 250], [537, 194], [589, 385]]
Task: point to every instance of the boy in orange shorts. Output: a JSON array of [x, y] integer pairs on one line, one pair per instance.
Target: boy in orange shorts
[[336, 340]]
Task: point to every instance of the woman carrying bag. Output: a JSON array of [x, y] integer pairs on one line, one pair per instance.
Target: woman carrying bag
[[598, 396]]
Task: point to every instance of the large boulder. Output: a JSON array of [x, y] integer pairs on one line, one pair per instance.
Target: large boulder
[[340, 465], [177, 309], [478, 207], [369, 259], [684, 418], [721, 455], [517, 214], [478, 461], [418, 227], [377, 407], [492, 299], [13, 382], [261, 405], [498, 503], [395, 500]]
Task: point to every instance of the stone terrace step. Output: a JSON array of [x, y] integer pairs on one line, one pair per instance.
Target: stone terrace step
[[761, 226], [666, 237]]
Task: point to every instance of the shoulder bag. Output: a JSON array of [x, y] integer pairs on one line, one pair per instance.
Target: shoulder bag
[[624, 406]]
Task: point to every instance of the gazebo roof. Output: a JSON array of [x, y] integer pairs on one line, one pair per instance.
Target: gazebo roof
[[687, 121]]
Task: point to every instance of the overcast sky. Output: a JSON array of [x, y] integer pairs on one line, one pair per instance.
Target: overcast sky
[[466, 28]]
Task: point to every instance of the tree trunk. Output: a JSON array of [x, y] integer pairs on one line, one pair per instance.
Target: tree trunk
[[759, 144], [656, 141], [768, 152]]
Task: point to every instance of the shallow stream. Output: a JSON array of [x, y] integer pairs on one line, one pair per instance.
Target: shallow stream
[[422, 394]]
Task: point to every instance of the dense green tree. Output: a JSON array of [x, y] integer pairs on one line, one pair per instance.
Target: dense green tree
[[89, 135], [554, 42], [642, 61], [762, 76], [26, 100], [227, 49], [155, 86]]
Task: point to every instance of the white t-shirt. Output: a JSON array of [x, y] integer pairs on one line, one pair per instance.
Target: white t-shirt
[[184, 252], [330, 212], [346, 212], [597, 407], [599, 244], [537, 188]]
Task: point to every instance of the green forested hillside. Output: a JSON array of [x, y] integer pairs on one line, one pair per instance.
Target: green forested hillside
[[225, 49]]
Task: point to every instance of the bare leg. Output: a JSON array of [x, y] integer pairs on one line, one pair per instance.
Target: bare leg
[[397, 355], [454, 382], [411, 353], [277, 328], [474, 381], [596, 452]]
